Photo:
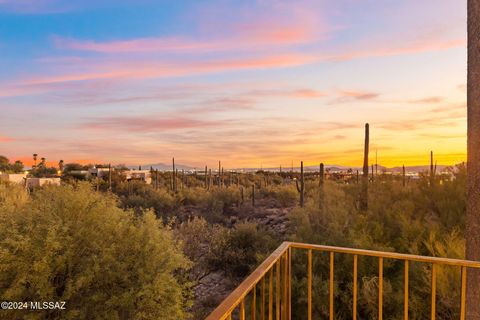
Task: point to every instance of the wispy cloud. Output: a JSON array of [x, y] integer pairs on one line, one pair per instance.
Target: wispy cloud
[[5, 139], [34, 6], [428, 100], [148, 123], [346, 96]]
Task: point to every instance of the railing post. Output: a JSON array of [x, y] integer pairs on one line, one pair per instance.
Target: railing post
[[285, 275], [355, 280], [434, 290], [463, 294], [332, 274], [242, 310], [254, 302], [270, 295], [289, 283], [380, 288], [262, 307], [309, 290], [277, 290], [405, 289]]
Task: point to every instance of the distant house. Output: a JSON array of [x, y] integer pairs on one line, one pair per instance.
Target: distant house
[[99, 172], [39, 182], [13, 177], [83, 174], [139, 175]]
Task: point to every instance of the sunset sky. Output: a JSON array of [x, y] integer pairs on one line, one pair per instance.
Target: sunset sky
[[248, 82]]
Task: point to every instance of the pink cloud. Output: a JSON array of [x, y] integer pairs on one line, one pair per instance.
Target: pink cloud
[[147, 124], [251, 37], [6, 139], [292, 93], [429, 100], [141, 70], [246, 30], [386, 50], [359, 95], [115, 68]]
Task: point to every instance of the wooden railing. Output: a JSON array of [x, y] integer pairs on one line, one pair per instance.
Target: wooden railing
[[270, 294]]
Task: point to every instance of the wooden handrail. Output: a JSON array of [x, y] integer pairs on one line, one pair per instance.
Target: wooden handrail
[[232, 301], [389, 255], [237, 297]]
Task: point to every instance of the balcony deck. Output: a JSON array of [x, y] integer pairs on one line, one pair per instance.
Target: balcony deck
[[272, 282]]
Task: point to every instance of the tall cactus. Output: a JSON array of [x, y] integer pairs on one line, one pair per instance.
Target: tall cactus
[[174, 176], [209, 178], [432, 170], [222, 179], [364, 192], [253, 195], [183, 178], [321, 175], [403, 176], [110, 177], [206, 177], [301, 187], [321, 183], [219, 170]]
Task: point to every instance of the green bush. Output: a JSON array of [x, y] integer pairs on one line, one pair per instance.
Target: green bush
[[72, 244], [140, 196]]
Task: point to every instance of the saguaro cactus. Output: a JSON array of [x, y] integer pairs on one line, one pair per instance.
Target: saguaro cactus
[[301, 187], [320, 187], [206, 178], [174, 176], [209, 178], [253, 195], [432, 170], [109, 177], [403, 176], [364, 192], [183, 178], [321, 175]]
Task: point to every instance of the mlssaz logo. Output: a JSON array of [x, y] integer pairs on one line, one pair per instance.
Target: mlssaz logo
[[50, 305]]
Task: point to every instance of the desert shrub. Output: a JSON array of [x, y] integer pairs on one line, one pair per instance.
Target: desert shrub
[[199, 238], [193, 196], [140, 196], [12, 196], [241, 249], [286, 195], [72, 244]]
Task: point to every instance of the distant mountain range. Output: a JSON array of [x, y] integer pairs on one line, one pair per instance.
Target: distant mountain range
[[333, 168]]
